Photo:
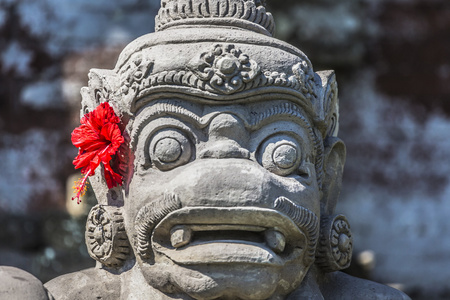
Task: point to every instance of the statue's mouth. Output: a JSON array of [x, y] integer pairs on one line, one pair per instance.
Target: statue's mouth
[[205, 235]]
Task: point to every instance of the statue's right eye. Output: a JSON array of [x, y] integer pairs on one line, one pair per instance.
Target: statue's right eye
[[169, 148]]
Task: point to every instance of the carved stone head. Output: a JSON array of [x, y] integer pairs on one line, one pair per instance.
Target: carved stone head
[[233, 165]]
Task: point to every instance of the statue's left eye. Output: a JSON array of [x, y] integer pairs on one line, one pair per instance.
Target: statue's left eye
[[169, 148], [280, 154]]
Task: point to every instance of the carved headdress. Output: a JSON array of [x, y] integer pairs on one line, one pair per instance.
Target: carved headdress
[[221, 51]]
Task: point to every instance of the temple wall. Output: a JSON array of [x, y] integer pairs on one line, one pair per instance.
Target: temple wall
[[393, 68]]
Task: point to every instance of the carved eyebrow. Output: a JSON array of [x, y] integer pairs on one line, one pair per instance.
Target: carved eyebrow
[[160, 109], [164, 107], [293, 110], [277, 110]]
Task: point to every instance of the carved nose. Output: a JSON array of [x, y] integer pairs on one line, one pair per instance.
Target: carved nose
[[227, 138], [225, 149]]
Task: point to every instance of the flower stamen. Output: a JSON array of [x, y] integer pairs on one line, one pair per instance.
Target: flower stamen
[[80, 188]]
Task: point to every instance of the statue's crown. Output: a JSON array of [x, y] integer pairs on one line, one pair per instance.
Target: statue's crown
[[214, 52], [248, 14]]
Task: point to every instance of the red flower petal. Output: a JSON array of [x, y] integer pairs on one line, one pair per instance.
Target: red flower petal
[[111, 132], [112, 178], [98, 139], [84, 137], [83, 160]]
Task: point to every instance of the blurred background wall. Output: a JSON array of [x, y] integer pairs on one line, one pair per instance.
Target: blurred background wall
[[392, 59]]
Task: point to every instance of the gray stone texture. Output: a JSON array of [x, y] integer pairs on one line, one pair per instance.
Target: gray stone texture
[[392, 65], [232, 167], [20, 285]]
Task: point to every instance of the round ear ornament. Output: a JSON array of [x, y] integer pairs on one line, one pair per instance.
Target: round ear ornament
[[106, 239], [335, 247]]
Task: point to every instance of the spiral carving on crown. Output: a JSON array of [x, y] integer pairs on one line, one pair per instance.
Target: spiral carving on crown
[[209, 11], [225, 68]]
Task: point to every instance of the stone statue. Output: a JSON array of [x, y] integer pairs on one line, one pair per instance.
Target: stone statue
[[230, 167]]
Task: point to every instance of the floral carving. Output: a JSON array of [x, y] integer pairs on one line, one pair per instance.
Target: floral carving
[[132, 77], [305, 76], [336, 244], [106, 239], [225, 69]]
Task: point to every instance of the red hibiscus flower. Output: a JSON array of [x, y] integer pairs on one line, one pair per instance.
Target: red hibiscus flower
[[98, 138]]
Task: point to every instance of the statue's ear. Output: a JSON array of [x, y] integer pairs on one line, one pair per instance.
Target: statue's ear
[[327, 108], [101, 86], [334, 160]]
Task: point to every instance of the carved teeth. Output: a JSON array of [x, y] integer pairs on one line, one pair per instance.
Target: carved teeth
[[180, 236], [275, 240]]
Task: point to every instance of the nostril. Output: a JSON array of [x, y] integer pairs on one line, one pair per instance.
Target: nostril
[[225, 150]]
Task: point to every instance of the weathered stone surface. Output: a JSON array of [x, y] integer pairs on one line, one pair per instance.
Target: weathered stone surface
[[231, 169], [86, 284], [20, 285], [392, 127]]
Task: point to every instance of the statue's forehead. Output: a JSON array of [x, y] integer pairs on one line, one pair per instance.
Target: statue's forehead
[[220, 66], [253, 115]]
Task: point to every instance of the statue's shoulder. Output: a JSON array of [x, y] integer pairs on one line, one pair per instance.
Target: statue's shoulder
[[339, 285], [17, 284], [91, 283]]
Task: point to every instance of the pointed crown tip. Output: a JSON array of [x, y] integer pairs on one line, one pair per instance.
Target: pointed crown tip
[[247, 14]]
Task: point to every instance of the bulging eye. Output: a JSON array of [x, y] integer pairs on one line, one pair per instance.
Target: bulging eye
[[280, 154], [169, 148]]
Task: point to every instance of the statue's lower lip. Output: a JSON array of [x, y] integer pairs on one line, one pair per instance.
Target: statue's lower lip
[[199, 235]]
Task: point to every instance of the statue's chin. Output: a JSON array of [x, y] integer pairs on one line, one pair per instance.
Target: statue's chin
[[232, 281]]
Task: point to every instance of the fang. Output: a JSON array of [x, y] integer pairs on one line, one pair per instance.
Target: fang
[[275, 240], [180, 236]]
